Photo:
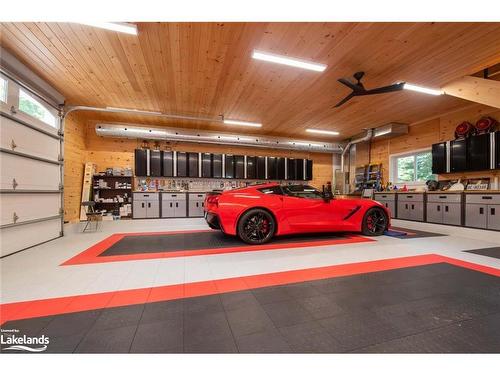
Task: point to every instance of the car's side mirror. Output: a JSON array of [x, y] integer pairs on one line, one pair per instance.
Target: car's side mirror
[[327, 196]]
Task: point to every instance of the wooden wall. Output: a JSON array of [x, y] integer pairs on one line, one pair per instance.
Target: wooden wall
[[74, 161], [422, 135]]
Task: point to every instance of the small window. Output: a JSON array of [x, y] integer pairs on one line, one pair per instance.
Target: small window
[[33, 107], [272, 190], [3, 90], [412, 168], [302, 191]]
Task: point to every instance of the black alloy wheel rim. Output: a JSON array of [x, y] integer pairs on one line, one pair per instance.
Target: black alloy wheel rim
[[376, 221], [258, 227]]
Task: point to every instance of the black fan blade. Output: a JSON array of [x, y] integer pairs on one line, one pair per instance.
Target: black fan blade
[[385, 89], [354, 87], [348, 97]]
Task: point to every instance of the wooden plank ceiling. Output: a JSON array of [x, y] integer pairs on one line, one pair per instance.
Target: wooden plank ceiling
[[206, 69]]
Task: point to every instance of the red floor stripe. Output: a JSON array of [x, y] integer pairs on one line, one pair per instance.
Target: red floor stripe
[[53, 306], [91, 255]]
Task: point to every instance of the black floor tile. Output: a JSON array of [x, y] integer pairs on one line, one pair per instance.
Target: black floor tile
[[492, 252], [310, 337], [246, 320], [161, 311], [200, 328], [115, 340], [64, 344], [117, 317], [164, 336], [320, 306], [239, 300], [71, 324], [263, 342], [205, 304], [287, 313], [271, 294], [29, 327]]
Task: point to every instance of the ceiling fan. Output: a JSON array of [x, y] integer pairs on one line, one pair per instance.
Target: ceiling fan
[[359, 90]]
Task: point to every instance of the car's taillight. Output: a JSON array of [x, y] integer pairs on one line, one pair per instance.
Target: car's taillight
[[213, 199]]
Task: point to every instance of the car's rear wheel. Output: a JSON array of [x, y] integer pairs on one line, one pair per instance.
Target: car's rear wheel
[[375, 222], [256, 226]]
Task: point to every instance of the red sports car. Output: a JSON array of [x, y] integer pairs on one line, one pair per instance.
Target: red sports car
[[257, 213]]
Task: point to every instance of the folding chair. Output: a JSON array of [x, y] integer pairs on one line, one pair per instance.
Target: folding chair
[[92, 216]]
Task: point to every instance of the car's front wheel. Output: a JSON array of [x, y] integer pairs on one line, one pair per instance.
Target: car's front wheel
[[375, 222], [256, 226]]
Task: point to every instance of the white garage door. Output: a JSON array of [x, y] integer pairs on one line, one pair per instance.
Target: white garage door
[[30, 168]]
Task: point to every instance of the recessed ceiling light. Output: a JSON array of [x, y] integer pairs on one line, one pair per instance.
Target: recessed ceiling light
[[121, 27], [242, 123], [278, 59], [132, 110], [319, 131], [424, 90]]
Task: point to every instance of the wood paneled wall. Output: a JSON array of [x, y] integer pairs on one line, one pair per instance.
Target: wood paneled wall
[[422, 135], [74, 162]]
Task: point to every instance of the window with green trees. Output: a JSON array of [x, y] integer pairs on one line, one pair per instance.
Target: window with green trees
[[416, 167], [33, 107]]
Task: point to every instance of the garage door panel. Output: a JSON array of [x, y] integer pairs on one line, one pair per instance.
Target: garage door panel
[[29, 174], [22, 137], [28, 207], [22, 236]]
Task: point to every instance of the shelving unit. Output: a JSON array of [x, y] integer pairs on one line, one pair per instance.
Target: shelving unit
[[112, 192]]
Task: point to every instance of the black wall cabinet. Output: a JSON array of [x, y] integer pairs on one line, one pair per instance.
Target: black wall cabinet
[[300, 169], [291, 169], [272, 168], [206, 165], [439, 158], [280, 168], [155, 163], [497, 148], [161, 163], [140, 158], [182, 166], [217, 165], [167, 161], [458, 155], [229, 166], [261, 167], [479, 154], [193, 164], [239, 166], [251, 167], [309, 169]]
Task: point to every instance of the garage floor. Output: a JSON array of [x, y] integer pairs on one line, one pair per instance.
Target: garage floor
[[435, 290]]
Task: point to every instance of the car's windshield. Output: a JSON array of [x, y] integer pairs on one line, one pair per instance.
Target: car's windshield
[[302, 191]]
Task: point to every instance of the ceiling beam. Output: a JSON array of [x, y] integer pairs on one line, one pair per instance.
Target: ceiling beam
[[474, 89]]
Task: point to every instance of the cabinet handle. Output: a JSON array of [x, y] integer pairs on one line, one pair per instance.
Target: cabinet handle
[[145, 195], [439, 208], [176, 204], [406, 206], [170, 204], [412, 206], [202, 204], [445, 208], [149, 205], [196, 204], [481, 210], [442, 197], [486, 197], [142, 204], [409, 196], [492, 210]]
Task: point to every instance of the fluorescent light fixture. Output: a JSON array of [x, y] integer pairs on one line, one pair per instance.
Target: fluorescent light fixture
[[121, 27], [132, 110], [424, 90], [278, 59], [242, 123], [319, 131]]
